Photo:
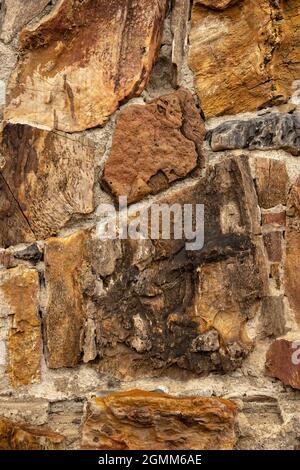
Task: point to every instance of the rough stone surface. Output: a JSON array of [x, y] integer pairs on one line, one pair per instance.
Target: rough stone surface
[[271, 182], [19, 288], [16, 14], [49, 175], [149, 305], [216, 4], [246, 56], [274, 131], [292, 266], [82, 60], [283, 362], [114, 423], [146, 158], [19, 436]]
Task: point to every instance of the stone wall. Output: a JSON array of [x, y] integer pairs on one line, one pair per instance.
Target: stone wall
[[111, 344]]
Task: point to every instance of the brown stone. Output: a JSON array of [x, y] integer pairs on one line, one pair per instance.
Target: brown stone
[[272, 316], [216, 4], [283, 362], [138, 420], [179, 28], [19, 288], [271, 182], [146, 158], [292, 237], [138, 307], [273, 244], [49, 175], [14, 227], [64, 312], [20, 436], [17, 13], [82, 60], [246, 56], [274, 218]]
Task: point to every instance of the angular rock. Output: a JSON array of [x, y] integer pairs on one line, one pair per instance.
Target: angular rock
[[283, 362], [82, 60], [138, 420], [246, 56], [64, 312], [274, 218], [269, 132], [179, 27], [134, 307], [271, 182], [14, 227], [272, 316], [19, 436], [16, 14], [49, 175], [19, 289], [292, 266], [273, 244], [147, 158]]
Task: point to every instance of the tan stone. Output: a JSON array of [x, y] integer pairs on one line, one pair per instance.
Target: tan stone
[[138, 420], [19, 288], [50, 176], [17, 13], [245, 57], [147, 158], [64, 312], [271, 182], [20, 436], [216, 4], [82, 60], [282, 362]]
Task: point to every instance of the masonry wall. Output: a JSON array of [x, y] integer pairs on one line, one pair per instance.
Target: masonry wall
[[110, 344]]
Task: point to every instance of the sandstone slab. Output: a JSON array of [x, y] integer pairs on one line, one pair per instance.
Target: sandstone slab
[[19, 436], [82, 60], [138, 420], [283, 362], [246, 56], [269, 132], [19, 288], [49, 177], [16, 14], [154, 145]]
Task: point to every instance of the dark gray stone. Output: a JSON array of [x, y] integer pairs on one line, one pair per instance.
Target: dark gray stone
[[268, 132]]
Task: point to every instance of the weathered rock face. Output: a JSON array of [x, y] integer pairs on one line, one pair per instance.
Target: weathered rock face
[[18, 436], [49, 177], [283, 362], [274, 131], [216, 4], [82, 60], [19, 289], [154, 145], [245, 56], [16, 14], [144, 300], [292, 267], [114, 423], [271, 182]]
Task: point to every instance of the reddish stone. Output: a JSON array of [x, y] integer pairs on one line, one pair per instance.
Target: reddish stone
[[283, 362], [273, 244], [274, 218]]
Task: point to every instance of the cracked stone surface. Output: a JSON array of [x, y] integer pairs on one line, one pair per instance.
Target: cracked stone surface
[[82, 60], [246, 56]]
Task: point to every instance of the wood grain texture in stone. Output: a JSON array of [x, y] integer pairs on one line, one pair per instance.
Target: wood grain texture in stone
[[283, 362], [20, 436], [82, 60], [115, 421], [269, 132], [19, 288], [246, 56], [271, 182], [154, 145], [50, 176]]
